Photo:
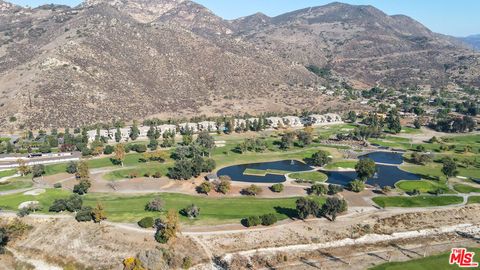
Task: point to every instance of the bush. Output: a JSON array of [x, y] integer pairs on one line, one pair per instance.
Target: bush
[[252, 221], [57, 185], [356, 186], [205, 187], [224, 185], [85, 214], [139, 148], [72, 204], [108, 150], [157, 175], [155, 205], [72, 167], [59, 205], [317, 189], [186, 263], [191, 211], [82, 187], [277, 188], [334, 189], [268, 219], [252, 190], [146, 222], [320, 158]]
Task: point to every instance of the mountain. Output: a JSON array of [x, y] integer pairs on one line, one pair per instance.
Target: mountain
[[68, 67], [473, 40], [363, 45], [132, 59]]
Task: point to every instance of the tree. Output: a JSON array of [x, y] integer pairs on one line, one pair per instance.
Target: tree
[[334, 189], [224, 184], [268, 219], [365, 168], [352, 116], [205, 187], [393, 121], [333, 206], [153, 144], [206, 142], [134, 132], [320, 158], [187, 138], [252, 190], [108, 150], [38, 170], [83, 172], [317, 189], [120, 153], [306, 207], [22, 168], [417, 124], [98, 213], [356, 185], [191, 211], [277, 188], [85, 214], [305, 137], [252, 221], [167, 229], [287, 140], [182, 169], [82, 187], [155, 205], [449, 168], [118, 135], [73, 203], [72, 167]]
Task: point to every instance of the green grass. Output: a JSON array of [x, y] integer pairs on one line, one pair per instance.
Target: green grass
[[13, 184], [429, 263], [423, 186], [465, 188], [7, 173], [310, 176], [257, 172], [141, 170], [347, 164], [130, 208], [417, 201], [474, 199]]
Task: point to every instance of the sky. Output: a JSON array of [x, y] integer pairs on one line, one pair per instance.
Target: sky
[[451, 17]]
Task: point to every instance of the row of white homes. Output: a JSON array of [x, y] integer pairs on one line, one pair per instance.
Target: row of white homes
[[295, 121], [272, 122]]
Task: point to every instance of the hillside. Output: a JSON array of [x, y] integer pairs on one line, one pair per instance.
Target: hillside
[[364, 45], [473, 40], [67, 67]]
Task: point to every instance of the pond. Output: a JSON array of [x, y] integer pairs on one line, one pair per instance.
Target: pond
[[236, 172], [386, 176], [395, 158]]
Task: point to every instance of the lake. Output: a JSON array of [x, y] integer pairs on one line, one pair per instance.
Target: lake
[[236, 172]]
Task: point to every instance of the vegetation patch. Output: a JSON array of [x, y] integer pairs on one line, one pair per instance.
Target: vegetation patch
[[257, 172], [346, 164], [423, 186], [417, 201], [474, 199], [310, 176], [466, 189]]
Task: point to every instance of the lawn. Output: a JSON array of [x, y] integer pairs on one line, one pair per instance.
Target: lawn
[[258, 172], [7, 173], [474, 199], [429, 263], [310, 176], [431, 171], [423, 186], [147, 168], [17, 183], [346, 164], [130, 208], [417, 201], [466, 188]]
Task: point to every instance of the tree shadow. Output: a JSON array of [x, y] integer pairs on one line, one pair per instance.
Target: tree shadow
[[289, 212]]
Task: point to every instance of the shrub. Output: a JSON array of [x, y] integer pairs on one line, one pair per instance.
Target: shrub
[[139, 148], [146, 222], [205, 187], [186, 263], [334, 189], [74, 203], [317, 189], [277, 188], [82, 187], [191, 211], [386, 189], [161, 236], [252, 190], [57, 185], [72, 167], [356, 185], [59, 205], [224, 185], [85, 214], [268, 219], [320, 158], [252, 221], [108, 150], [157, 174], [155, 205]]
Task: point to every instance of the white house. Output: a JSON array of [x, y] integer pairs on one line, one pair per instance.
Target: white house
[[333, 118], [188, 126], [165, 128], [207, 125], [292, 121], [143, 131], [239, 122], [92, 134], [274, 122]]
